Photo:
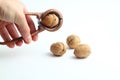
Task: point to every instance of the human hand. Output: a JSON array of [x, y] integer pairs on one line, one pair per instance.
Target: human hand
[[14, 21]]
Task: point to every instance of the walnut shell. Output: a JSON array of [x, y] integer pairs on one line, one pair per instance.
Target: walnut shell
[[50, 20], [73, 41], [82, 51], [58, 48]]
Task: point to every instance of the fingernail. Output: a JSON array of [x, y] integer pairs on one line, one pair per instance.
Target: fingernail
[[19, 43], [35, 38], [28, 39], [11, 45]]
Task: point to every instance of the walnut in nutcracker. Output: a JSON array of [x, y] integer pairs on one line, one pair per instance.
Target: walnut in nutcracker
[[50, 20], [58, 48]]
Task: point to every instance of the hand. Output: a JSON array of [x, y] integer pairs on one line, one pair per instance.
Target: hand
[[14, 21]]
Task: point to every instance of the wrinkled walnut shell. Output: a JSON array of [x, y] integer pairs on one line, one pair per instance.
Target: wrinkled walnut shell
[[50, 20], [73, 41], [82, 51], [58, 48], [53, 20]]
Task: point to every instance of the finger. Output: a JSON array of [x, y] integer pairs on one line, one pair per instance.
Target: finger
[[23, 27], [2, 23], [32, 27], [13, 33], [5, 35]]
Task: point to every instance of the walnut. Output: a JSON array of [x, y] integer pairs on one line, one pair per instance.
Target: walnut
[[82, 51], [73, 41], [50, 20], [58, 48]]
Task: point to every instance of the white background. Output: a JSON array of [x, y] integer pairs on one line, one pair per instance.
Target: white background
[[97, 24]]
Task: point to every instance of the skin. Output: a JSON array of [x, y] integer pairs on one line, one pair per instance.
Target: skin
[[14, 21]]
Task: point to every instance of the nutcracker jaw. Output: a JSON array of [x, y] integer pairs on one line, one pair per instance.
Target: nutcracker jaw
[[53, 28]]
